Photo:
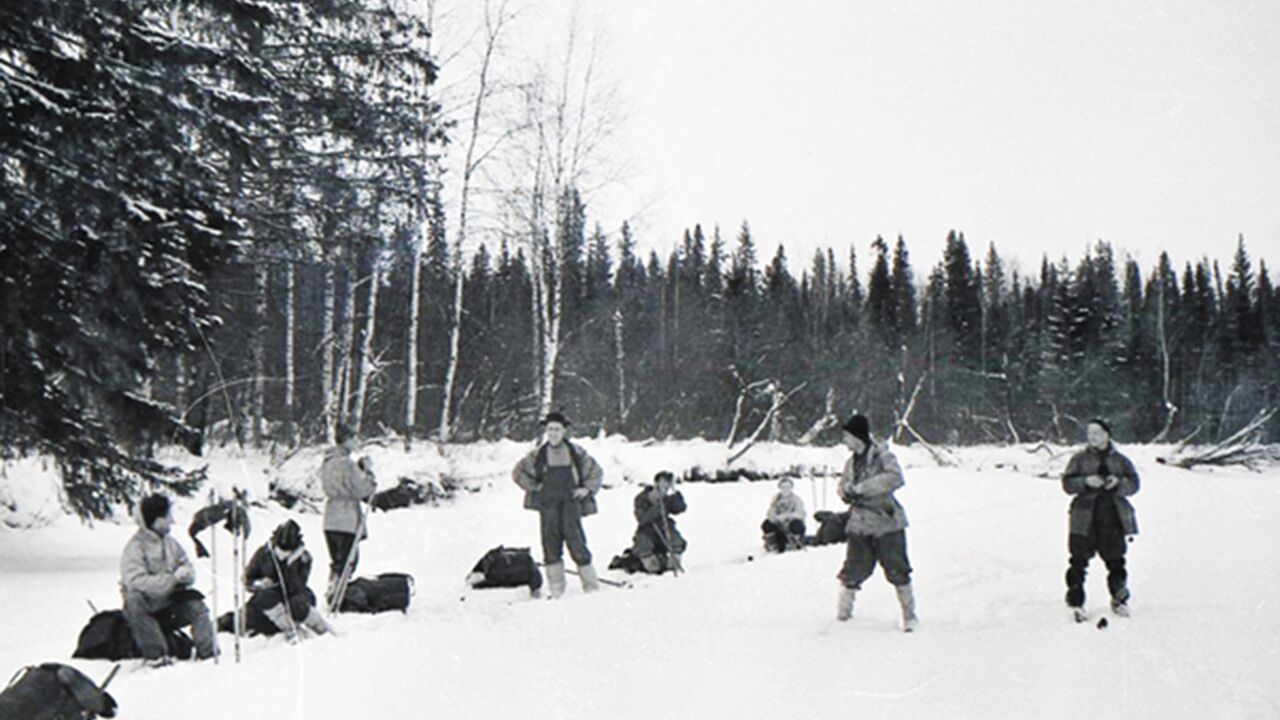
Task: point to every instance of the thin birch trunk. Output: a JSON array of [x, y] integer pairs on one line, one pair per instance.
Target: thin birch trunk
[[364, 368], [327, 327], [259, 350], [342, 382], [620, 364], [411, 351], [290, 327]]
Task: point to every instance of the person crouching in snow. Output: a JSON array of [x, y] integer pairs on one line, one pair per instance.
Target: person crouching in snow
[[1101, 479], [657, 542], [560, 481], [156, 579], [877, 522], [277, 575], [784, 524]]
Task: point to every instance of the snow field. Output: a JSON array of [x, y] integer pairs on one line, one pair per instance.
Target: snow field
[[729, 638]]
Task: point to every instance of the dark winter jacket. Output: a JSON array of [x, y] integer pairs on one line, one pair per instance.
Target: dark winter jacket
[[531, 471], [651, 535], [294, 569], [1092, 461], [867, 484]]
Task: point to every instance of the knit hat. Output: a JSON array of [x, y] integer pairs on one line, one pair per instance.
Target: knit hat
[[287, 536], [556, 417], [664, 475], [859, 427], [152, 508], [1101, 423], [785, 483]]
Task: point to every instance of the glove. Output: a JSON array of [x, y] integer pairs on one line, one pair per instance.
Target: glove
[[1095, 481], [581, 493], [185, 575], [262, 584], [1111, 482]]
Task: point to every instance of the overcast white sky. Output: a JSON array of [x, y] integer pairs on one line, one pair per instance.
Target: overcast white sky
[[1039, 126]]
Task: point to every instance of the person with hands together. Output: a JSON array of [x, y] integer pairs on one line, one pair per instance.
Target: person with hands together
[[1101, 480]]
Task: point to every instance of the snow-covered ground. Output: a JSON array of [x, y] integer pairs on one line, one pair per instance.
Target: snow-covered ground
[[730, 638]]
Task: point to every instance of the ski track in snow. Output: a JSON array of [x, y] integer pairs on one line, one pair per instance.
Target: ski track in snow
[[729, 638]]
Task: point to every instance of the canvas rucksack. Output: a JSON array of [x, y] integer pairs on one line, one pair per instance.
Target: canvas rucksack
[[506, 567], [388, 591], [53, 691], [107, 636]]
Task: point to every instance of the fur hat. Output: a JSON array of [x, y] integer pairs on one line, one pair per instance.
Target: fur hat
[[1101, 423], [153, 507], [287, 536], [556, 416], [664, 475], [859, 427]]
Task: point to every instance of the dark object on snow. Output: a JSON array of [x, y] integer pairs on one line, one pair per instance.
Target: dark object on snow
[[831, 528], [407, 493], [628, 562], [506, 567], [1102, 623], [237, 520], [108, 637], [388, 591], [53, 691]]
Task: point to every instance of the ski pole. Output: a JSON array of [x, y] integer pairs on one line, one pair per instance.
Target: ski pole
[[666, 538], [213, 564], [606, 581]]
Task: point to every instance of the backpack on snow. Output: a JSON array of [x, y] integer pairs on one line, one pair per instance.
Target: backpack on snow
[[388, 591], [506, 567], [53, 691], [107, 636], [831, 528]]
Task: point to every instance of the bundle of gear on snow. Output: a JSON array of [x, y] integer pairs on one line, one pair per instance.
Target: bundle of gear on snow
[[409, 492], [107, 636], [388, 591], [831, 528], [235, 512], [506, 567], [53, 691]]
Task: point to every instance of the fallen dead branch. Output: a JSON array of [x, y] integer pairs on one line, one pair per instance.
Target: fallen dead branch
[[1244, 447]]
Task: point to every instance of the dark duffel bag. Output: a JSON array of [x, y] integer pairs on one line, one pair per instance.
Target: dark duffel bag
[[388, 591], [53, 691], [506, 567]]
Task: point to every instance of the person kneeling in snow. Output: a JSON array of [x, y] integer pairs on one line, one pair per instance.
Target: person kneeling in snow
[[277, 575], [877, 522], [784, 525], [155, 580], [657, 543]]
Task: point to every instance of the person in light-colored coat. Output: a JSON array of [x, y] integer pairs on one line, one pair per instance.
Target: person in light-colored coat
[[346, 482], [560, 480], [783, 526], [877, 523], [156, 579]]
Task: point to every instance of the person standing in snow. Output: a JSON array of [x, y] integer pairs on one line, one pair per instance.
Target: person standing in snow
[[657, 542], [346, 483], [784, 523], [156, 579], [877, 522], [560, 481], [1101, 481], [277, 575]]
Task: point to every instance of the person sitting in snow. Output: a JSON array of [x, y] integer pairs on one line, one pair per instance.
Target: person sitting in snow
[[277, 576], [1101, 479], [877, 522], [657, 543], [560, 480], [784, 524], [156, 579], [346, 482]]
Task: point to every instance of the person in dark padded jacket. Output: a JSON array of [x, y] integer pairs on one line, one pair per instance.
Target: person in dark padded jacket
[[1101, 481], [277, 575]]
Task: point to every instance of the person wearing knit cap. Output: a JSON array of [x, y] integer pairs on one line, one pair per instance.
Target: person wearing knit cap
[[877, 522], [156, 580], [560, 480], [1101, 480], [277, 575]]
